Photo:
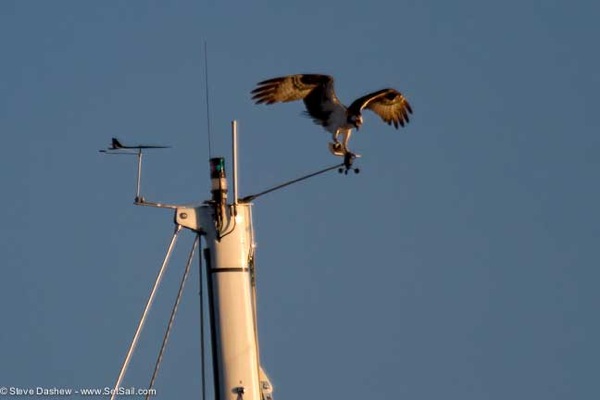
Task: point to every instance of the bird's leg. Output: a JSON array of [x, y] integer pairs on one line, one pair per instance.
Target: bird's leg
[[334, 136], [346, 134], [336, 146]]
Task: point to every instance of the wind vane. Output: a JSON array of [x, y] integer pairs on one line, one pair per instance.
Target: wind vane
[[116, 148]]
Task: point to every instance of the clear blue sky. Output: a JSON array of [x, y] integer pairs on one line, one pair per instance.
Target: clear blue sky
[[462, 263]]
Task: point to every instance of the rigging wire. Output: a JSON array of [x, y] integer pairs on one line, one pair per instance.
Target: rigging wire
[[172, 318], [248, 199], [138, 331]]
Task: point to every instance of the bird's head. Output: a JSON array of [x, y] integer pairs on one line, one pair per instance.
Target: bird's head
[[356, 120]]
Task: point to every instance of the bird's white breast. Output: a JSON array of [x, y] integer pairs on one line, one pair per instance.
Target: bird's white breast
[[338, 120]]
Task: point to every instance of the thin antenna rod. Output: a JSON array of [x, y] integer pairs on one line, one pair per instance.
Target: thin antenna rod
[[234, 143], [207, 100], [145, 313]]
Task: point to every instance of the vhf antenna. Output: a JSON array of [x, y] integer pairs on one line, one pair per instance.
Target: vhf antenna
[[208, 130]]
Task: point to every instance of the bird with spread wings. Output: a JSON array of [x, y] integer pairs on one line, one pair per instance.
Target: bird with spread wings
[[325, 109]]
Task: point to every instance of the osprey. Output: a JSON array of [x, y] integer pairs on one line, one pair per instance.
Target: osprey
[[325, 109]]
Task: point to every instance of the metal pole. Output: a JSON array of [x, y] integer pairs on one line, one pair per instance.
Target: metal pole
[[202, 347], [213, 325], [139, 176], [248, 199], [145, 313], [233, 319], [234, 143]]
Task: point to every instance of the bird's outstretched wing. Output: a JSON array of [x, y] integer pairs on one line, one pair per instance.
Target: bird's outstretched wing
[[316, 90], [290, 88], [389, 104]]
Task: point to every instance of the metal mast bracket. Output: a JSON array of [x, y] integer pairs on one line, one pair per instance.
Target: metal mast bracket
[[193, 218]]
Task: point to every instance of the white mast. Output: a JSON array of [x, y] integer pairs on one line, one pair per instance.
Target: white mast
[[229, 255], [228, 265]]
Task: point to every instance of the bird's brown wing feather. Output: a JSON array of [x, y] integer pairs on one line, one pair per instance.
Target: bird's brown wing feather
[[315, 90], [289, 88], [389, 104]]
